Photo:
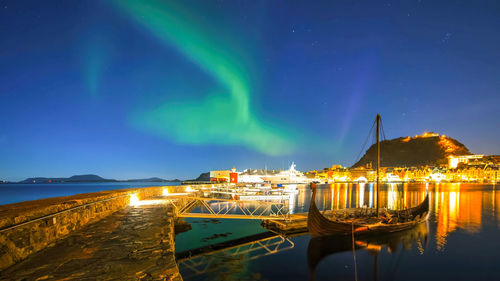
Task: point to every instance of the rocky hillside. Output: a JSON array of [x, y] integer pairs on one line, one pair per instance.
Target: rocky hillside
[[426, 149]]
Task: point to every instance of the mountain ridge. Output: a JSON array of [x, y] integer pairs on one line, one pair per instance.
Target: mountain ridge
[[89, 178], [429, 149]]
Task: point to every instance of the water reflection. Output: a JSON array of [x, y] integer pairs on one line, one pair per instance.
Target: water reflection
[[463, 226], [322, 247], [229, 260], [454, 205], [345, 195]]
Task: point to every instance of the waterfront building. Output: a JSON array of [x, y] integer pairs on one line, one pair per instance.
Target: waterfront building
[[224, 176], [367, 173], [220, 176], [336, 173], [469, 168], [261, 175], [455, 160]]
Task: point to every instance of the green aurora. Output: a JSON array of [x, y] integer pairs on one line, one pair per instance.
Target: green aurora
[[222, 117]]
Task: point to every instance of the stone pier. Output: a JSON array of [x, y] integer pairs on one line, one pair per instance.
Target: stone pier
[[95, 236]]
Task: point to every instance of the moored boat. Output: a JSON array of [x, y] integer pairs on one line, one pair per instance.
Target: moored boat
[[363, 220]]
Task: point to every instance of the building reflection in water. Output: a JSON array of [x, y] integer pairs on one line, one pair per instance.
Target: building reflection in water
[[454, 206]]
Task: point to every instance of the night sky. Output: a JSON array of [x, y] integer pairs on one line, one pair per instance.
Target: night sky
[[133, 89]]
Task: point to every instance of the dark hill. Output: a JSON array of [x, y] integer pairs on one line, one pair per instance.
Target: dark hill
[[416, 151], [203, 177], [154, 179], [89, 178], [86, 178], [77, 178]]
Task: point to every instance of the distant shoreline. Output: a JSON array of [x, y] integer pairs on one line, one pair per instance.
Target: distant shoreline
[[63, 182]]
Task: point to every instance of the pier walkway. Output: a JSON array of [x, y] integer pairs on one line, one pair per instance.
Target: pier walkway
[[136, 243], [126, 234]]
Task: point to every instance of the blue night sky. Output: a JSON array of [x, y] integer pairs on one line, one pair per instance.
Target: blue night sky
[[132, 89]]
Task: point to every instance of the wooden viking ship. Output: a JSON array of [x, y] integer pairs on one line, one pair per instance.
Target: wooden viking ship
[[365, 221]]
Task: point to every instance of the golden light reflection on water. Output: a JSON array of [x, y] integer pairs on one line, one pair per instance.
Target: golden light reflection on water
[[454, 205]]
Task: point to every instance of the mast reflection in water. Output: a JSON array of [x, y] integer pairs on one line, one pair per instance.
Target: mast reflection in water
[[459, 242], [321, 247]]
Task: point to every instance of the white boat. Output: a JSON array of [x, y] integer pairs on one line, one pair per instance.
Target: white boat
[[291, 188], [288, 176]]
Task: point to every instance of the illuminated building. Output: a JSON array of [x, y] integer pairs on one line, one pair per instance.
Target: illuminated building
[[220, 176], [469, 168], [224, 176], [453, 161]]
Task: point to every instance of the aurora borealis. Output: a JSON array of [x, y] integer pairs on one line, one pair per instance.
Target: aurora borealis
[[221, 116], [131, 89]]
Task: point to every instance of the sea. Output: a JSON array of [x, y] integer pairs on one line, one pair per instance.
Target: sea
[[460, 241], [18, 192]]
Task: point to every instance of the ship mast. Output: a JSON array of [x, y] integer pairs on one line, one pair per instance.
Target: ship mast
[[378, 160]]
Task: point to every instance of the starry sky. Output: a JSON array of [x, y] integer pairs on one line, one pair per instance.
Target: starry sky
[[134, 89]]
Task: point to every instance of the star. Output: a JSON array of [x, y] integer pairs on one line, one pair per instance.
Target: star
[[446, 37]]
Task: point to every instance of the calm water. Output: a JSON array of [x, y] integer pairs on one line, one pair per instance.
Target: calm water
[[459, 242], [12, 193]]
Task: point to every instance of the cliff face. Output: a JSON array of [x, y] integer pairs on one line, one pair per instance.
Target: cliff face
[[428, 149]]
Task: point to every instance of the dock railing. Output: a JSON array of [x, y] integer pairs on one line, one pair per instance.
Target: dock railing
[[202, 207]]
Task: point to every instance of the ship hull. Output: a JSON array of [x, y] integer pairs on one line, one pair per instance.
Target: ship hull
[[318, 225]]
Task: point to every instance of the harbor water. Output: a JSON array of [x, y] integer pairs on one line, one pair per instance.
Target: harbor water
[[459, 242], [18, 192]]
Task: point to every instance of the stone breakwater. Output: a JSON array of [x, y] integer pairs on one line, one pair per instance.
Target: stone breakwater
[[34, 229]]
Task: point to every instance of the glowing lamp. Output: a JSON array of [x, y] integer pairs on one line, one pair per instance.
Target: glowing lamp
[[165, 192], [134, 199]]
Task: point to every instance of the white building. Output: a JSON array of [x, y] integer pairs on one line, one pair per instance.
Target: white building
[[453, 161]]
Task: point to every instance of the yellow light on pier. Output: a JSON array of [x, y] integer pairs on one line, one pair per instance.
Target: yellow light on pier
[[134, 200]]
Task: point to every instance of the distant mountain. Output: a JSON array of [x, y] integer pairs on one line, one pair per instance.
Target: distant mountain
[[202, 177], [77, 178], [427, 149], [87, 178], [153, 180], [90, 178]]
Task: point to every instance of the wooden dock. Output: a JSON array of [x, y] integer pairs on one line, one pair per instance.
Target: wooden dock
[[296, 223]]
